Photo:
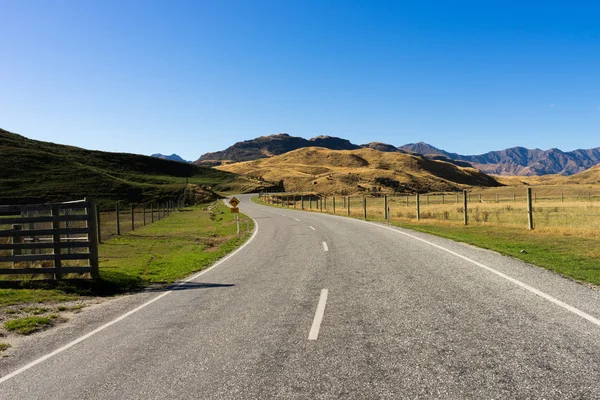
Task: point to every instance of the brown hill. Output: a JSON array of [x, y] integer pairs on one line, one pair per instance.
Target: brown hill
[[351, 171]]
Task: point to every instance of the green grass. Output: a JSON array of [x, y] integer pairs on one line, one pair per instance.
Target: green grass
[[4, 346], [170, 249], [574, 257], [27, 325]]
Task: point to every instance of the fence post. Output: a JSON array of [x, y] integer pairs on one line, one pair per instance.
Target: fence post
[[456, 198], [529, 209], [364, 207], [407, 199], [428, 199], [344, 197], [334, 204], [17, 240], [562, 197], [325, 203], [417, 200], [497, 198], [152, 212], [144, 213], [132, 217], [442, 198], [310, 203], [302, 202], [321, 203], [385, 207], [118, 221], [93, 238], [98, 228], [56, 242], [535, 197], [514, 197], [589, 196], [348, 205], [465, 207]]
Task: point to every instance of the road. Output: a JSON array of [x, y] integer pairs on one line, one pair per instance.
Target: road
[[318, 307]]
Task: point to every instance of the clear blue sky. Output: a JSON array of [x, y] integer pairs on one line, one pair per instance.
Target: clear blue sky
[[191, 77]]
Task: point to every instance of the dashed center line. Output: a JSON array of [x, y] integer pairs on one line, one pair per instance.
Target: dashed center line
[[316, 325], [297, 219], [325, 246], [312, 228]]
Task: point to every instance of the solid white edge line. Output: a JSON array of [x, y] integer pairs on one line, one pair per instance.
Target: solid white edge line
[[312, 228], [325, 248], [316, 325], [127, 314], [517, 282]]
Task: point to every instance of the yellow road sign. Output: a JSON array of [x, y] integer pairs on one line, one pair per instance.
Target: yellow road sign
[[235, 210], [234, 202]]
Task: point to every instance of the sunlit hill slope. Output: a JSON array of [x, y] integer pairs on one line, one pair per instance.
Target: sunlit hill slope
[[342, 172]]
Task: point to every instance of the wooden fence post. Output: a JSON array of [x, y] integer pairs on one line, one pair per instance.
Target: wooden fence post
[[465, 207], [302, 202], [325, 203], [442, 198], [334, 204], [118, 221], [56, 242], [152, 212], [407, 200], [321, 204], [428, 199], [417, 200], [93, 238], [364, 207], [562, 197], [348, 205], [16, 240], [529, 209], [98, 227], [385, 206], [310, 203], [144, 213], [132, 217]]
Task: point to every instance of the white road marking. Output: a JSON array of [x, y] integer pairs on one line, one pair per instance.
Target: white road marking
[[517, 282], [297, 219], [122, 317], [325, 246], [316, 325], [312, 228], [283, 215]]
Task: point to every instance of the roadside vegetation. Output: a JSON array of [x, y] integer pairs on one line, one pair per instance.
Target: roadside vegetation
[[156, 255], [566, 238]]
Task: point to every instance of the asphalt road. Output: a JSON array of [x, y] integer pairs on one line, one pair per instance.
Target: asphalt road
[[318, 307]]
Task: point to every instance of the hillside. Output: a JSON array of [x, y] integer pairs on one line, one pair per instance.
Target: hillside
[[273, 145], [513, 161], [352, 171], [33, 170]]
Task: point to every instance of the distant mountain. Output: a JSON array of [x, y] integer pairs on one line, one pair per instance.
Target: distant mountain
[[513, 161], [172, 157], [268, 146], [519, 160], [388, 148]]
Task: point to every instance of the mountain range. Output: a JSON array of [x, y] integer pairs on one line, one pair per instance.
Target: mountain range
[[512, 161], [172, 157]]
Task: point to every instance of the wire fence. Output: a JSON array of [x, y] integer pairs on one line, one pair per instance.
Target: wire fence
[[576, 212]]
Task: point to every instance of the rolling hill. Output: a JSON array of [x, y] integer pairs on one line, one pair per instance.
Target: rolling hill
[[512, 161], [344, 172], [172, 157], [32, 170]]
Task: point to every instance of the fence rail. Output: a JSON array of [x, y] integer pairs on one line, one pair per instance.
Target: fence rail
[[55, 235]]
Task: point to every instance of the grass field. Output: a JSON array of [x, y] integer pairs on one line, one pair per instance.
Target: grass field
[[566, 238], [170, 249]]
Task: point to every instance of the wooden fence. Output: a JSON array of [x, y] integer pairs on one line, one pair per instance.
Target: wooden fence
[[40, 235]]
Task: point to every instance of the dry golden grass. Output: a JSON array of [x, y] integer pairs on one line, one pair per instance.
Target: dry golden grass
[[572, 210], [331, 172]]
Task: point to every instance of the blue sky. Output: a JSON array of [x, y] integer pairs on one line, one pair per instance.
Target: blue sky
[[191, 77]]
